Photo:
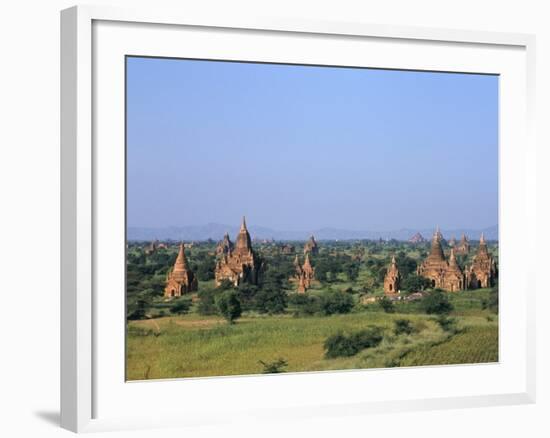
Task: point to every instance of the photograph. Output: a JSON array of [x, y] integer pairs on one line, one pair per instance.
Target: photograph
[[285, 218]]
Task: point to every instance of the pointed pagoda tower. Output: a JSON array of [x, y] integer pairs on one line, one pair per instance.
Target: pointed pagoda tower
[[243, 243], [443, 274], [305, 274], [436, 251], [435, 265], [392, 280], [463, 247], [297, 265], [180, 279], [482, 272], [311, 246], [225, 245], [239, 263], [453, 280], [452, 242]]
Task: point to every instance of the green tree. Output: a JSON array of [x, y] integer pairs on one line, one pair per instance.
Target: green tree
[[181, 307], [229, 306], [386, 304], [491, 303], [414, 283], [405, 264], [140, 310], [436, 302], [447, 324], [205, 269], [333, 302], [403, 326], [304, 304], [207, 302], [271, 297], [352, 270], [247, 295], [341, 345]]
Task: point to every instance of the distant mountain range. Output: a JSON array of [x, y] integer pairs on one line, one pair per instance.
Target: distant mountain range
[[216, 231]]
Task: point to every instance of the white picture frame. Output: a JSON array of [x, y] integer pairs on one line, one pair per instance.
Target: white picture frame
[[91, 391]]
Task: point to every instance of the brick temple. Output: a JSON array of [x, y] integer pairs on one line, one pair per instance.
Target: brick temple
[[180, 279], [392, 279], [448, 275], [240, 263], [305, 274], [311, 246]]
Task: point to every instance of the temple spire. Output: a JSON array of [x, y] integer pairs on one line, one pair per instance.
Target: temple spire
[[243, 244], [306, 261], [452, 258], [181, 260], [180, 279], [436, 251]]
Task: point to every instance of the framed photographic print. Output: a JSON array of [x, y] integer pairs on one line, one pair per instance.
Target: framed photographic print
[[258, 208]]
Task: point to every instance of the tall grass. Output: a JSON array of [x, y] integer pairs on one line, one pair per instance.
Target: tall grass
[[476, 344], [193, 346]]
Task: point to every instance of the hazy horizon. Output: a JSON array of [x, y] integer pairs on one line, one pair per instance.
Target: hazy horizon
[[300, 148], [237, 224]]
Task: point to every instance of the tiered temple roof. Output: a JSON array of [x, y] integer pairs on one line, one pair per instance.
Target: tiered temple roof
[[305, 274], [483, 271], [443, 274], [448, 275], [463, 247], [240, 263], [225, 245], [311, 246], [180, 280], [392, 279]]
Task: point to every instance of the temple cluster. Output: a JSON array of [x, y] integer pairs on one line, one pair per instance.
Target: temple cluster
[[447, 274], [239, 263]]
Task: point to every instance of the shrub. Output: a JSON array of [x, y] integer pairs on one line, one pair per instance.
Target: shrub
[[247, 295], [447, 324], [274, 367], [304, 304], [491, 303], [387, 305], [271, 300], [415, 283], [271, 297], [139, 311], [437, 302], [334, 302], [340, 345], [229, 306], [207, 302], [141, 331], [403, 326], [181, 307], [205, 269]]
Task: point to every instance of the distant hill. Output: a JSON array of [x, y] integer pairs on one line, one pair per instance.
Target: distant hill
[[216, 231]]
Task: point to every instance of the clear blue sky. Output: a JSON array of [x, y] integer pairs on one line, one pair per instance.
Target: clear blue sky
[[304, 147]]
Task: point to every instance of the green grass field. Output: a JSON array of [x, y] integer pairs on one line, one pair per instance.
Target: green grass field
[[197, 346], [164, 345]]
